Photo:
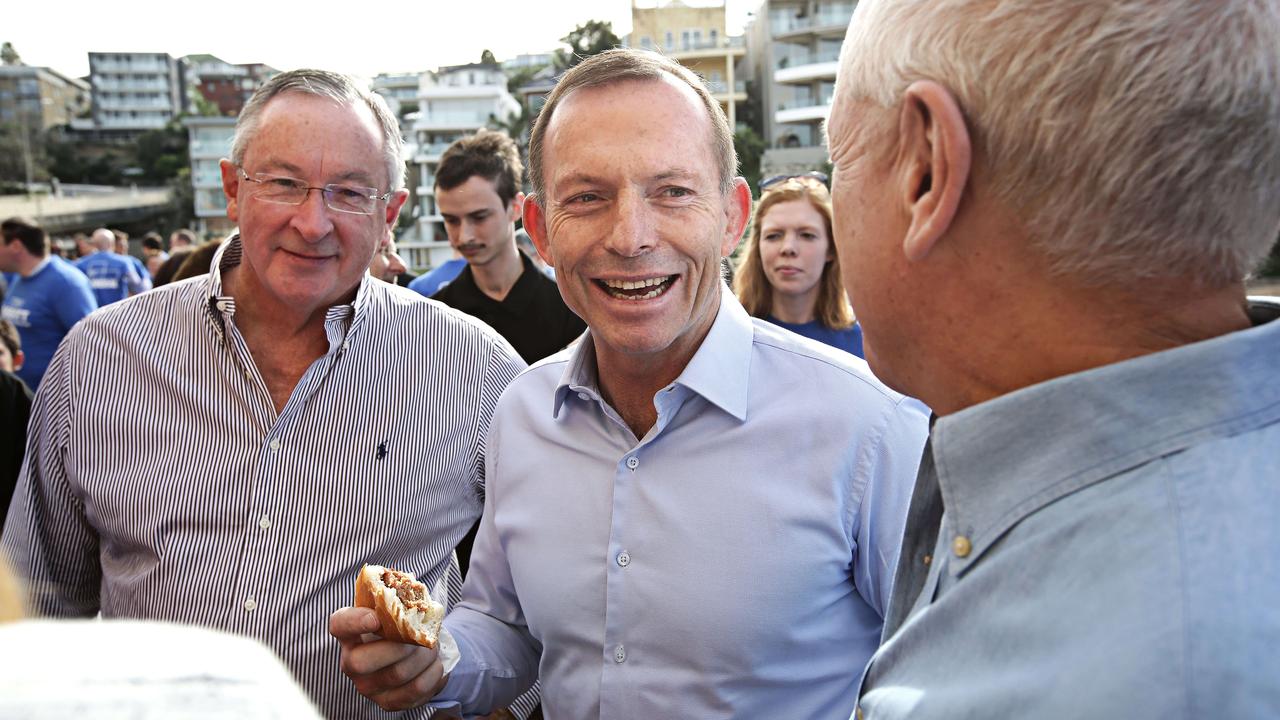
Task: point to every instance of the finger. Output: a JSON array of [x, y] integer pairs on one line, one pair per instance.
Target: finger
[[417, 691], [348, 624], [372, 658]]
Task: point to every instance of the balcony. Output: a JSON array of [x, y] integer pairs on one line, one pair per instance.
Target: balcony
[[828, 20], [146, 122], [100, 66], [138, 85], [430, 153], [210, 148], [804, 110], [733, 46], [452, 120], [720, 91]]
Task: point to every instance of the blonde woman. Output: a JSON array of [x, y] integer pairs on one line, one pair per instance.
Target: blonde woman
[[790, 275]]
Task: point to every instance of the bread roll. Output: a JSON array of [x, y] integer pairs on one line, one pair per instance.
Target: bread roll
[[404, 607]]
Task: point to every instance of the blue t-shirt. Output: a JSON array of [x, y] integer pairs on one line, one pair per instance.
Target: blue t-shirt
[[848, 340], [427, 285], [44, 307], [111, 276]]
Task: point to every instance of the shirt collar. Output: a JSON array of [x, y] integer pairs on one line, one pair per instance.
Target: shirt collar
[[1002, 460], [229, 255], [718, 371], [41, 265]]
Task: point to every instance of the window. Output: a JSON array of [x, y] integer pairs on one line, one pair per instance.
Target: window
[[671, 41], [714, 39], [646, 42]]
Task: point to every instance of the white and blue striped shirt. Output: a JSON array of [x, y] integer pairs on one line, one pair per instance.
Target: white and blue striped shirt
[[161, 483]]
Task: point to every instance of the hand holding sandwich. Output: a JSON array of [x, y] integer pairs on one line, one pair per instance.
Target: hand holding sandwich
[[398, 667]]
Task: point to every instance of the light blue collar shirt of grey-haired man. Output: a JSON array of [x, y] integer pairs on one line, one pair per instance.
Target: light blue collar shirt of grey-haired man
[[1052, 256]]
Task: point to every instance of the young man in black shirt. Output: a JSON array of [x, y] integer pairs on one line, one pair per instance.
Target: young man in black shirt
[[478, 194]]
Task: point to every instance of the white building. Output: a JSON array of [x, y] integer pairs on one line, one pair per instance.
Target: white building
[[400, 90], [795, 48], [452, 102], [134, 92], [209, 140]]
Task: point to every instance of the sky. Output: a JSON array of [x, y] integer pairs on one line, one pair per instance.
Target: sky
[[355, 37]]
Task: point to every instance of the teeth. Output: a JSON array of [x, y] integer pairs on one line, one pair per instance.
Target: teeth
[[659, 285], [635, 284]]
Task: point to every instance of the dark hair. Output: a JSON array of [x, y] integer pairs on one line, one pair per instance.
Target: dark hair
[[9, 336], [32, 236], [153, 241], [620, 65], [489, 154]]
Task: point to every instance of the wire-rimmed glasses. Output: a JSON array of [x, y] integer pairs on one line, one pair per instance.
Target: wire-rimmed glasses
[[284, 190]]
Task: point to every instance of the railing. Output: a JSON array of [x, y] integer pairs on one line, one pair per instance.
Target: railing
[[830, 16], [116, 66], [129, 85], [718, 87], [801, 58], [477, 119], [806, 102], [725, 43]]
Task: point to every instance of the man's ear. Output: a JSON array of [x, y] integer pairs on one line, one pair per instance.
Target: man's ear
[[394, 204], [516, 209], [18, 360], [737, 213], [535, 223], [933, 163], [230, 188]]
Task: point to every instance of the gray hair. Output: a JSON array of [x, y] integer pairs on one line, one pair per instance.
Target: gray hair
[[336, 87], [618, 65], [1138, 139]]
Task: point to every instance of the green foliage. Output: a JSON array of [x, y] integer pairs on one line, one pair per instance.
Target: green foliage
[[162, 153], [487, 57], [590, 38], [9, 55], [1271, 266], [750, 147]]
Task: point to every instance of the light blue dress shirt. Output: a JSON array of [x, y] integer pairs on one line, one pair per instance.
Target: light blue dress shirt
[[734, 562], [1108, 547]]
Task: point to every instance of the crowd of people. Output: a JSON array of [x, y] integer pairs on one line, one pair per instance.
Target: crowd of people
[[642, 491]]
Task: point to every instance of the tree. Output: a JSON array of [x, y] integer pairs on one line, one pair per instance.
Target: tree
[[487, 58], [9, 55], [750, 147], [590, 38]]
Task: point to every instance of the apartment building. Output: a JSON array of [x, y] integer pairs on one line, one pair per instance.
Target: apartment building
[[400, 90], [221, 84], [134, 92], [209, 140], [794, 48], [452, 102], [695, 37], [39, 98]]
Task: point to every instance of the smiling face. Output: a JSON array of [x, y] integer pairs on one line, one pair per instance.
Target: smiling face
[[387, 265], [479, 226], [794, 249], [306, 258], [634, 221]]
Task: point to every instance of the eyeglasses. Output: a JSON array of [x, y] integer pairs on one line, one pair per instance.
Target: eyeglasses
[[813, 175], [283, 190]]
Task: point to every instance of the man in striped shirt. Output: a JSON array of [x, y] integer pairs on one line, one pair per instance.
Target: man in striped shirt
[[227, 450]]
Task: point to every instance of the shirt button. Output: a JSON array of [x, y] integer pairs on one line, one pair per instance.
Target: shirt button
[[624, 559], [264, 523], [928, 559], [345, 345], [633, 462], [858, 713], [619, 654], [250, 604], [274, 445], [583, 396], [961, 546]]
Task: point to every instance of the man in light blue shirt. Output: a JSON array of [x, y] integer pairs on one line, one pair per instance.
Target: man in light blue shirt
[[113, 277], [690, 513], [1045, 212]]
